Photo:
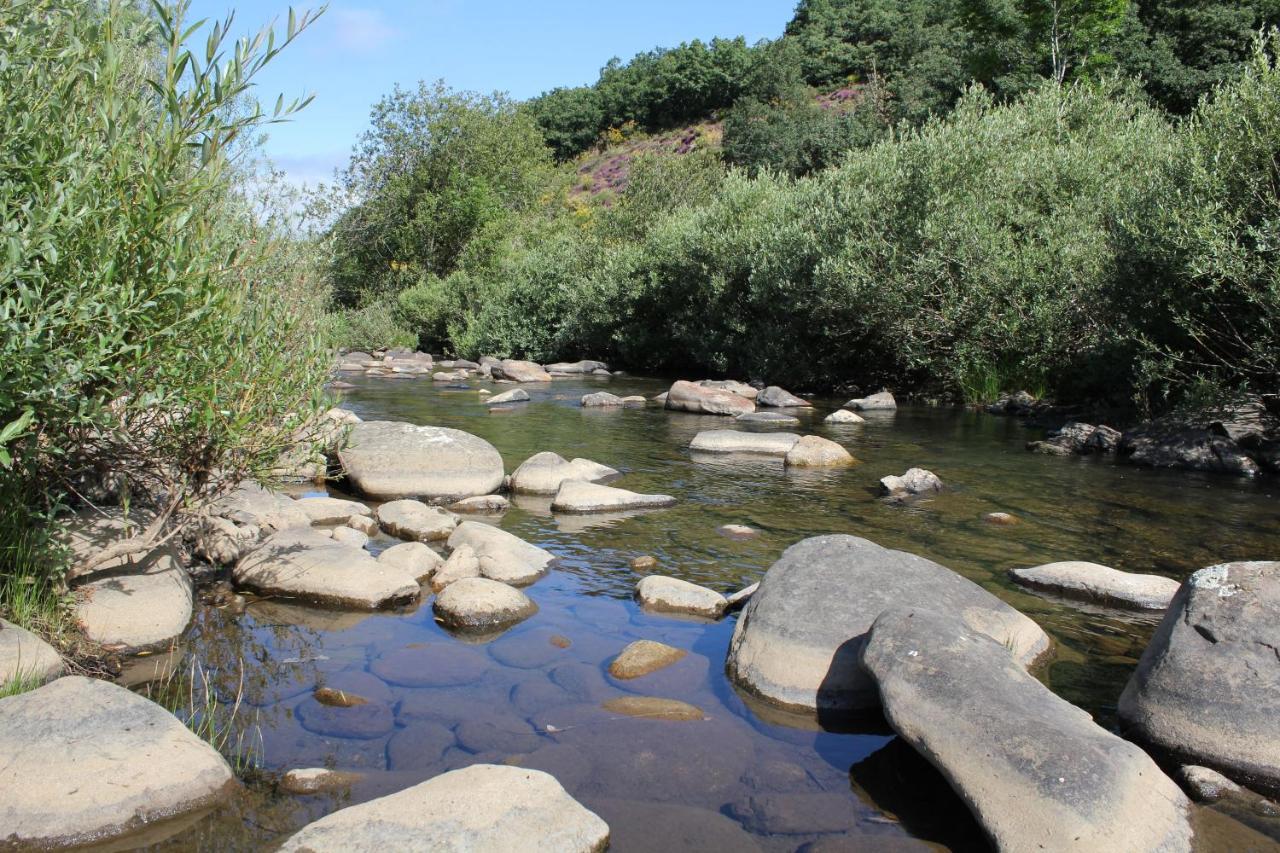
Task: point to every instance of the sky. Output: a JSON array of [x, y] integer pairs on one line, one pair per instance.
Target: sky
[[360, 49]]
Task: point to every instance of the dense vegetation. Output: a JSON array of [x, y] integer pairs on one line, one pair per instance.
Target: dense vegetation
[[160, 336]]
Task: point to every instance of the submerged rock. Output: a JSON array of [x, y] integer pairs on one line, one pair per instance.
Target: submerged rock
[[737, 531], [86, 761], [484, 807], [688, 397], [480, 604], [331, 510], [579, 496], [130, 612], [770, 418], [655, 708], [1001, 519], [878, 402], [542, 473], [317, 780], [643, 657], [310, 567], [916, 481], [813, 451], [25, 657], [844, 416], [519, 371], [672, 595], [775, 397], [1105, 585], [515, 395], [1036, 771], [414, 520], [1167, 444], [502, 556], [415, 558], [389, 460], [736, 441], [1207, 688], [797, 640]]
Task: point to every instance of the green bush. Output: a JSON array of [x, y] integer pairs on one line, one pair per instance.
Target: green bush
[[376, 326]]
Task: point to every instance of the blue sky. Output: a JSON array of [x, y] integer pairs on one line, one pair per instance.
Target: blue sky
[[358, 50]]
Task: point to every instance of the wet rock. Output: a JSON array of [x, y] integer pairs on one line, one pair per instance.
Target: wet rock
[[87, 761], [389, 461], [1046, 772], [414, 520], [1001, 519], [654, 708], [817, 813], [310, 567], [542, 473], [346, 686], [672, 595], [462, 563], [1206, 688], [735, 441], [482, 807], [644, 562], [129, 612], [916, 481], [600, 399], [796, 642], [25, 657], [331, 510], [480, 604], [878, 402], [1171, 444], [430, 665], [414, 558], [733, 386], [515, 395], [737, 531], [335, 698], [843, 416], [688, 397], [366, 722], [579, 496], [350, 536], [419, 746], [503, 557], [775, 397], [576, 367], [643, 657], [1105, 585], [317, 780], [767, 418], [813, 451], [481, 504], [519, 371]]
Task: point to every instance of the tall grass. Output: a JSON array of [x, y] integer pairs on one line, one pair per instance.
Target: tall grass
[[195, 695]]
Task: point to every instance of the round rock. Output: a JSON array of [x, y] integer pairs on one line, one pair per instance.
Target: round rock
[[502, 556], [480, 604], [131, 612], [388, 461], [843, 416], [673, 595], [515, 395], [643, 657], [25, 657], [813, 451]]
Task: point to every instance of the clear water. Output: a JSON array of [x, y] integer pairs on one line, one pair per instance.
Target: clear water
[[740, 780]]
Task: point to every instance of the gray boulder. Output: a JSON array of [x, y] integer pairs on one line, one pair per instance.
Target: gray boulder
[[414, 558], [542, 473], [251, 504], [770, 418], [462, 563], [132, 612], [1207, 689], [519, 371], [1105, 585], [1078, 438], [737, 441], [415, 521], [482, 504], [775, 397], [601, 400], [502, 556], [813, 451], [578, 496], [86, 761], [480, 604], [797, 641], [1036, 771], [515, 395], [733, 386], [844, 416], [26, 658], [573, 368], [305, 565], [690, 397], [881, 401], [331, 510], [1165, 444], [484, 808], [673, 595], [389, 460], [916, 481], [349, 536]]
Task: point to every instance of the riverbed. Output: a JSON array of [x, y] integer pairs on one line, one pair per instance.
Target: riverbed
[[744, 778]]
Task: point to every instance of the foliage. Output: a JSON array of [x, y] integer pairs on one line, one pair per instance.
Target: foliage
[[376, 326], [158, 336]]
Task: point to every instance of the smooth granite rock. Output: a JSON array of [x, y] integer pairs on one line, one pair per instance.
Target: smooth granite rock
[[331, 510], [580, 496], [307, 566], [736, 441], [416, 521], [813, 451], [844, 416], [502, 556], [519, 371], [690, 397], [542, 473], [643, 657], [483, 605], [775, 397], [515, 395], [1102, 584], [387, 460], [672, 595], [25, 657], [916, 481], [881, 401], [414, 558], [130, 612]]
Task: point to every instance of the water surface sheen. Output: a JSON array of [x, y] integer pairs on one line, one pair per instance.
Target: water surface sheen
[[737, 779]]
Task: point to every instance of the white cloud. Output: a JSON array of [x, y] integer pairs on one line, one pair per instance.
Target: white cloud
[[361, 30]]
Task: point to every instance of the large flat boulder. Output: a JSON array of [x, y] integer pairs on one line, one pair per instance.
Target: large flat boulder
[[484, 808], [86, 761], [738, 441], [26, 658], [388, 461], [502, 555], [663, 594], [131, 612], [1102, 584], [305, 565], [578, 496], [1207, 688], [515, 395], [519, 371], [733, 386], [569, 368], [325, 510], [1035, 770], [542, 473], [416, 521], [251, 504], [702, 400], [796, 644]]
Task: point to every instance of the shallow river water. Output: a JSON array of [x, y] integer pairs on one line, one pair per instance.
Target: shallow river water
[[743, 779]]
